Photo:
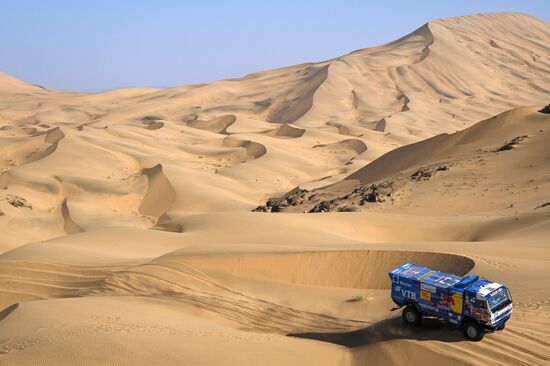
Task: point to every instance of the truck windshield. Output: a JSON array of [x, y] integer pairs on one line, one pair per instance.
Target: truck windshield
[[498, 299]]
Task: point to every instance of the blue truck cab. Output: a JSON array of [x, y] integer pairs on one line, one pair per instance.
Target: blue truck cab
[[478, 305]]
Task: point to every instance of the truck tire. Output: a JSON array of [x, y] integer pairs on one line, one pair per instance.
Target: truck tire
[[501, 327], [411, 316], [473, 331]]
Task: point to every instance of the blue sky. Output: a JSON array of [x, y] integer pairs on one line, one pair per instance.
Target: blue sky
[[92, 45]]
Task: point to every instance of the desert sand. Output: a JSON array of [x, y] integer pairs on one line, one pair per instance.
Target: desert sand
[[134, 227]]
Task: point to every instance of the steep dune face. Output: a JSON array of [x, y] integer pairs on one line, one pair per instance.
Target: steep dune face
[[469, 171], [160, 193], [127, 213], [348, 269]]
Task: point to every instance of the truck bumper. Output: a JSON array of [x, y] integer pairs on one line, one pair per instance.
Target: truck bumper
[[498, 324]]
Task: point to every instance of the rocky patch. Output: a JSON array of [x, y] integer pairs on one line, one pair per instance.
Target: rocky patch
[[292, 198], [18, 202], [377, 192], [427, 173], [325, 206], [510, 145], [349, 202], [361, 195]]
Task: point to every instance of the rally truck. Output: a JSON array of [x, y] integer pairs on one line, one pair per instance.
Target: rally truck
[[476, 304]]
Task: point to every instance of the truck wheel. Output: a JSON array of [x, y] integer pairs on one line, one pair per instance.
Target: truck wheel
[[411, 316], [473, 331], [501, 327]]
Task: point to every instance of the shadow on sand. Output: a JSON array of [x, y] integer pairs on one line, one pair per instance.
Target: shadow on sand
[[389, 329], [7, 311]]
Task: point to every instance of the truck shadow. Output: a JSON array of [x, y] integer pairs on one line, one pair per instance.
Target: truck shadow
[[390, 329]]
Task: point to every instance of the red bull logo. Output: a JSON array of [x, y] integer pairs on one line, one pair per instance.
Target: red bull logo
[[454, 301], [449, 300]]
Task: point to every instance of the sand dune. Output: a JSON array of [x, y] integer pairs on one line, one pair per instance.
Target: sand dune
[[287, 131], [68, 224], [467, 170], [160, 193], [127, 231], [218, 125], [253, 149], [349, 269], [356, 145]]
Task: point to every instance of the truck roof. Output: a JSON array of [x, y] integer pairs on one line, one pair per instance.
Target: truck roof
[[481, 287], [484, 288], [432, 277]]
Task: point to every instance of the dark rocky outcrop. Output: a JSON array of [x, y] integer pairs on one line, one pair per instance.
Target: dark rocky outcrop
[[361, 195], [349, 202], [510, 145], [18, 202], [427, 173], [292, 198], [324, 206], [377, 192]]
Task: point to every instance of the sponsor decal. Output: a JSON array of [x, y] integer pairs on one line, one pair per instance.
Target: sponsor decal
[[454, 301], [425, 295], [448, 300], [406, 284], [429, 288], [408, 294], [488, 288]]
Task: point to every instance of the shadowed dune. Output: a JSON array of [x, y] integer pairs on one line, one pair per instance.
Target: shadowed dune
[[218, 125], [7, 311], [353, 144], [16, 151], [299, 100], [286, 131], [69, 225], [160, 194], [155, 125], [253, 149], [350, 269]]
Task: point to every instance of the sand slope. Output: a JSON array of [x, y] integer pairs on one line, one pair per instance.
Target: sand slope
[[127, 234], [499, 165]]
